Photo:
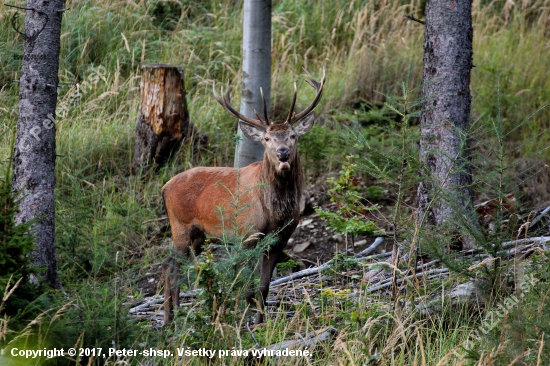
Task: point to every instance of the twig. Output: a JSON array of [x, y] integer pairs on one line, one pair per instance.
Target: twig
[[306, 341], [300, 274], [373, 246], [19, 7], [146, 305], [160, 300], [252, 335], [13, 20], [314, 270], [540, 216], [426, 265], [410, 17], [306, 260], [162, 218], [535, 240], [388, 283]]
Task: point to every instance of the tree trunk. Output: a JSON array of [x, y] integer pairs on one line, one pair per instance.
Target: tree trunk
[[256, 73], [443, 123], [163, 121], [34, 155]]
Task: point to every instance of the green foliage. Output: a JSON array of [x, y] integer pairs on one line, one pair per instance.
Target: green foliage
[[351, 213], [365, 46], [93, 318], [495, 177], [96, 317], [287, 265], [520, 321], [16, 246], [223, 285], [166, 14], [374, 193], [344, 263], [318, 149]]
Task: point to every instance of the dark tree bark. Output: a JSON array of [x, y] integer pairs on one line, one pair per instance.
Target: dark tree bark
[[256, 73], [163, 121], [34, 155], [443, 124]]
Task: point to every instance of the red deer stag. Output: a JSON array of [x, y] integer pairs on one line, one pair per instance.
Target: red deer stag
[[270, 189]]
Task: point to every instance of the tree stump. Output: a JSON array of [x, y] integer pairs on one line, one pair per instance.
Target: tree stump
[[163, 121]]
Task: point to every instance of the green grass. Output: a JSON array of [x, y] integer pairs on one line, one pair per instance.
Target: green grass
[[107, 228]]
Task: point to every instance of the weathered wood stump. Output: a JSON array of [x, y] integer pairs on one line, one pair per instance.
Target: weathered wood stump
[[163, 121]]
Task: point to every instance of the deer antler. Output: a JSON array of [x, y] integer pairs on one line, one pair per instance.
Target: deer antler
[[314, 84], [289, 118], [225, 101]]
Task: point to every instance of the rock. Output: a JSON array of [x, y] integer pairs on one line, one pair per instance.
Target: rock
[[301, 247], [305, 222], [339, 238], [466, 293]]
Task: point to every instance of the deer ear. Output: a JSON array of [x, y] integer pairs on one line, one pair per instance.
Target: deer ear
[[254, 133], [305, 124]]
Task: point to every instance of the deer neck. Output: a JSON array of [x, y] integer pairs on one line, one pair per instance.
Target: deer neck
[[281, 191]]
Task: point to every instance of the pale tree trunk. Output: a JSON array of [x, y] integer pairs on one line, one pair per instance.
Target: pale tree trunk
[[34, 155], [443, 124], [256, 73]]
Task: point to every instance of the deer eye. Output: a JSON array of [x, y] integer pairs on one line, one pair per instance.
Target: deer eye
[[266, 138], [293, 136]]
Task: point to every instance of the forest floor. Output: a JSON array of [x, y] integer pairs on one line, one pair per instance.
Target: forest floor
[[310, 246]]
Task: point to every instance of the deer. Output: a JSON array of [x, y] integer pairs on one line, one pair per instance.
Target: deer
[[269, 189]]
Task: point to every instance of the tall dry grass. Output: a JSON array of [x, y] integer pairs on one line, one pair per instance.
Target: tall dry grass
[[368, 48]]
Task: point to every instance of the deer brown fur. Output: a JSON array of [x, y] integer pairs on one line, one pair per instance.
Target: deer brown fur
[[200, 201]]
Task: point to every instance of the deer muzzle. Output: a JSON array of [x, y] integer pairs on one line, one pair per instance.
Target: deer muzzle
[[283, 154]]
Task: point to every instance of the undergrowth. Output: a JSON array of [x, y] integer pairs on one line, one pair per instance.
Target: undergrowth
[[109, 227]]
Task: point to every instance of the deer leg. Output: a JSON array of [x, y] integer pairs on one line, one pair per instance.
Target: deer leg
[[193, 237], [197, 239], [171, 288], [269, 260]]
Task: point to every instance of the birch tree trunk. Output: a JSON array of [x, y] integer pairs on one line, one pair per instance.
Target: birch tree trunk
[[443, 124], [256, 73], [34, 155]]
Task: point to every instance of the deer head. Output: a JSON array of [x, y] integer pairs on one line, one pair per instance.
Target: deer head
[[279, 139]]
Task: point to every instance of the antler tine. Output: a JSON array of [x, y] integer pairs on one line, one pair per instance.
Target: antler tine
[[266, 119], [312, 82], [225, 101], [290, 113], [216, 95], [319, 87], [257, 115]]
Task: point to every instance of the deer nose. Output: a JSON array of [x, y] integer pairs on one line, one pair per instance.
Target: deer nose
[[283, 152]]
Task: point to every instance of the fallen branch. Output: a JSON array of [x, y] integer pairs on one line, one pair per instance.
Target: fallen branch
[[160, 300], [427, 274], [322, 267], [372, 247], [540, 216], [520, 247], [303, 342]]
